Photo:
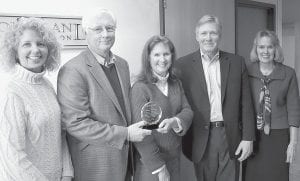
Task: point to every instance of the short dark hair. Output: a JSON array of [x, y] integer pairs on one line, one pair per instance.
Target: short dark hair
[[146, 74], [278, 57]]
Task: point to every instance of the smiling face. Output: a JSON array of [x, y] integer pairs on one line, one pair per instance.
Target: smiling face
[[161, 59], [32, 51], [265, 50], [208, 37], [100, 34]]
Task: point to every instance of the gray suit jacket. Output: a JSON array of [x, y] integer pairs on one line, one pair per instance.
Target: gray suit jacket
[[93, 117]]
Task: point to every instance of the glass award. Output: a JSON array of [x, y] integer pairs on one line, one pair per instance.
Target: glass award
[[151, 114]]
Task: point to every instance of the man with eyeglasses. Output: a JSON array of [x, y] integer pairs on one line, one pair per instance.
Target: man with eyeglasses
[[93, 92]]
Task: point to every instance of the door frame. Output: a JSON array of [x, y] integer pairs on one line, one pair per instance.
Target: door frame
[[271, 14], [162, 6]]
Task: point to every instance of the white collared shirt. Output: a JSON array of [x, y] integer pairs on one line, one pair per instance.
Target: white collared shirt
[[212, 72], [162, 83], [102, 61]]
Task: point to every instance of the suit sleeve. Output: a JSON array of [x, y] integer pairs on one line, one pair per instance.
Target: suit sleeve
[[187, 139], [68, 170], [248, 121], [148, 148], [73, 96], [293, 104], [186, 113]]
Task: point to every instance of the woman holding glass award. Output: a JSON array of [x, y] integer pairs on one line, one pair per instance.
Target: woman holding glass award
[[158, 98]]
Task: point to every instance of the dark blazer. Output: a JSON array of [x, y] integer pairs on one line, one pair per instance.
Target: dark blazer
[[284, 93], [95, 122], [237, 107]]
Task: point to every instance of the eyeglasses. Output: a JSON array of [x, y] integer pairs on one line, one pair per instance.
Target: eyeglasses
[[100, 29]]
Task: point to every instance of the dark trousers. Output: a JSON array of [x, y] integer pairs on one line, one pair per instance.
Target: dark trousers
[[128, 177], [268, 162], [130, 164], [216, 164]]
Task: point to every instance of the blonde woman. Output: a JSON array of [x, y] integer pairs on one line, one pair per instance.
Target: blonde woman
[[276, 99]]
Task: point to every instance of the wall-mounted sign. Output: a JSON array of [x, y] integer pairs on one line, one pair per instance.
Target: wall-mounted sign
[[68, 29]]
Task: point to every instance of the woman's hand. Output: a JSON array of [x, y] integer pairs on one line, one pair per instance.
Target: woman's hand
[[167, 124], [290, 152]]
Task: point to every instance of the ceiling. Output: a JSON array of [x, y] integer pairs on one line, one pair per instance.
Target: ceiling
[[290, 11]]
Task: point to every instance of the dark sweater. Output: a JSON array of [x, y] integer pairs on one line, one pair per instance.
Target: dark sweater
[[112, 76]]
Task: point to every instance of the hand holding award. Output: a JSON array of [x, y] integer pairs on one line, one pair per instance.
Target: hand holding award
[[151, 114]]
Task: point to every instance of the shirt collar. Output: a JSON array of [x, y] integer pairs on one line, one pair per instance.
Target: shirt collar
[[161, 79], [206, 58], [278, 72], [101, 60]]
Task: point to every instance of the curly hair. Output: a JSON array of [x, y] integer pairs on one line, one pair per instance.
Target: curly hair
[[10, 39], [146, 74], [278, 57]]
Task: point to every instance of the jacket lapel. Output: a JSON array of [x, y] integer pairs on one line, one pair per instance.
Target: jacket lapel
[[124, 82], [99, 75], [197, 67], [224, 68]]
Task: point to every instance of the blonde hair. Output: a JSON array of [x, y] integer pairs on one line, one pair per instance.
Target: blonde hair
[[10, 40], [278, 57]]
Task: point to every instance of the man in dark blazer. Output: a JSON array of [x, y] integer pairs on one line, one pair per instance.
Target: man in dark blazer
[[217, 88], [93, 91]]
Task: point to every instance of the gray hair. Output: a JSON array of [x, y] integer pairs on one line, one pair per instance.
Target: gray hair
[[209, 19], [90, 14]]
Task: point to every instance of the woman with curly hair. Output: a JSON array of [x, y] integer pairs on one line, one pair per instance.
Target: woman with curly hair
[[32, 144]]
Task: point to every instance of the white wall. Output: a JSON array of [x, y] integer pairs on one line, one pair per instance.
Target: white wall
[[288, 44], [137, 20], [291, 46]]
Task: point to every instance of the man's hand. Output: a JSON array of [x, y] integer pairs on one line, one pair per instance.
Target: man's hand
[[136, 133], [164, 175], [166, 125], [246, 147], [290, 152]]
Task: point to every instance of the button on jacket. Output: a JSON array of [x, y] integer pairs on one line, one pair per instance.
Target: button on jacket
[[284, 92]]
